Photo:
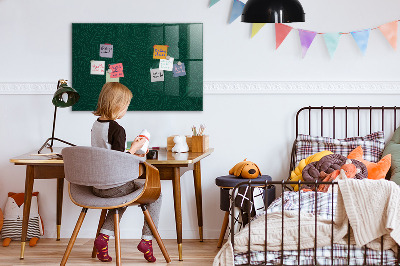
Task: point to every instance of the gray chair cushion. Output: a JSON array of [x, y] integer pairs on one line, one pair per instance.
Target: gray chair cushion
[[83, 195], [99, 167]]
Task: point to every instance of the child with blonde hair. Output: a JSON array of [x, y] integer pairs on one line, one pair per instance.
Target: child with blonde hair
[[113, 103]]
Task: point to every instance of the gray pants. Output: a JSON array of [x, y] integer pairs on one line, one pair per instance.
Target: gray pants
[[154, 208]]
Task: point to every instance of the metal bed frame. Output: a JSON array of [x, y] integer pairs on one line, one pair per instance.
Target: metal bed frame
[[283, 184]]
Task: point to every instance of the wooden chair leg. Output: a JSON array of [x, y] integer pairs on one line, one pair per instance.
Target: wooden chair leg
[[223, 229], [117, 238], [73, 237], [154, 230], [101, 222]]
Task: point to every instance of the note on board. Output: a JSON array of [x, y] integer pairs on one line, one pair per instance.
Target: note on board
[[117, 71], [166, 64], [179, 70], [106, 50], [160, 51], [110, 79], [156, 75], [97, 67]]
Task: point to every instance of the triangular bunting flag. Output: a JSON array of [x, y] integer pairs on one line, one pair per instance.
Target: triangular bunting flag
[[281, 31], [256, 28], [213, 2], [390, 32], [306, 39], [361, 38], [237, 9], [332, 41]]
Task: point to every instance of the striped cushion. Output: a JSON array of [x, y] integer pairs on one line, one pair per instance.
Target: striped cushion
[[372, 145], [13, 228]]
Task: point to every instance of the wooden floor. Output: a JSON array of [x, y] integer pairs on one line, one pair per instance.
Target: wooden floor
[[50, 252]]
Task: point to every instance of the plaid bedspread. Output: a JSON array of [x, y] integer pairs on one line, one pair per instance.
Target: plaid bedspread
[[324, 257], [321, 205]]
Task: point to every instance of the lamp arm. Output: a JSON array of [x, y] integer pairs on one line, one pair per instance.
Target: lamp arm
[[54, 118], [46, 143], [54, 126]]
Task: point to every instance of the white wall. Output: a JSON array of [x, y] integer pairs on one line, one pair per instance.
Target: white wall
[[35, 46]]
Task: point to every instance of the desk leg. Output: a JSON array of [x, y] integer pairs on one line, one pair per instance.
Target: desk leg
[[60, 190], [199, 204], [176, 182], [27, 206]]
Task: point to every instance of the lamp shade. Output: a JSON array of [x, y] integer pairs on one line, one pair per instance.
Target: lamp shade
[[65, 96], [273, 11]]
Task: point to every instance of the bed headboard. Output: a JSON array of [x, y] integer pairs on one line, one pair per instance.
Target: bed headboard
[[347, 116], [344, 121]]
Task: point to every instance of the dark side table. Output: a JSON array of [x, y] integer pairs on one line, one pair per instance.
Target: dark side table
[[228, 182]]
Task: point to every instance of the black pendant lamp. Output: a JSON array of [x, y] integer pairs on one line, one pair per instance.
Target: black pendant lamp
[[273, 11]]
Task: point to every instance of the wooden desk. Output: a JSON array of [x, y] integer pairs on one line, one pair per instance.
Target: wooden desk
[[171, 167]]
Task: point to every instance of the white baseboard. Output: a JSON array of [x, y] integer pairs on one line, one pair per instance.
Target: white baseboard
[[246, 87]]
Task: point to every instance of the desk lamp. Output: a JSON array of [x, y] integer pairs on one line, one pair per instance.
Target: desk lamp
[[272, 11], [64, 96]]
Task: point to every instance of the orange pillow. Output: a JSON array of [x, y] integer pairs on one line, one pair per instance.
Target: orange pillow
[[375, 170]]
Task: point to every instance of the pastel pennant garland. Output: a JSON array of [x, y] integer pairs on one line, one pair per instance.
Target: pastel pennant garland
[[332, 41], [389, 30], [237, 9], [281, 31], [306, 39], [213, 2], [361, 38], [256, 27]]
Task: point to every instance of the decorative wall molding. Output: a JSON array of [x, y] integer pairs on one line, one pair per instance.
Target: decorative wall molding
[[247, 87], [302, 87], [28, 88]]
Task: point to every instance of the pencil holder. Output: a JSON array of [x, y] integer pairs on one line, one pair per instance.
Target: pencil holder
[[200, 143]]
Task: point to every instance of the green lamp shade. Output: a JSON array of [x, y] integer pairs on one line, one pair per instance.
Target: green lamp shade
[[65, 96]]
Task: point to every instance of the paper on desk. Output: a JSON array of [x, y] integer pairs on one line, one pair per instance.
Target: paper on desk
[[53, 155]]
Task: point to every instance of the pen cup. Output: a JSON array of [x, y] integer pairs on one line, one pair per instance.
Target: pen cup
[[200, 143], [152, 155]]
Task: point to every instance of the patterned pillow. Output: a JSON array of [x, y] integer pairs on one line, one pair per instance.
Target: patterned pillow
[[372, 145]]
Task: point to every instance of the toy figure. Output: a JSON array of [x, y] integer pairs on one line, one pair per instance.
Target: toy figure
[[13, 215], [180, 144]]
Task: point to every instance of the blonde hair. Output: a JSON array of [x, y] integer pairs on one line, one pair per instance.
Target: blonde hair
[[112, 99]]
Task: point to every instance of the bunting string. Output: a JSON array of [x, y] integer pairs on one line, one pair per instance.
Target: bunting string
[[361, 37], [376, 28]]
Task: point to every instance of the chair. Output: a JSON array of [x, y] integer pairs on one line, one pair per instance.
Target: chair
[[85, 167]]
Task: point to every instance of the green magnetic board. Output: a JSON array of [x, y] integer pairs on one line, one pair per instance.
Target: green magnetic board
[[133, 47]]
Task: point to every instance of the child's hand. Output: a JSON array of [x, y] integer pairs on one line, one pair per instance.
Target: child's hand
[[142, 155], [137, 144]]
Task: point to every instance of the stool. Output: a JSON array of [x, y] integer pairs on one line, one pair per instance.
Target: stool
[[226, 183]]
